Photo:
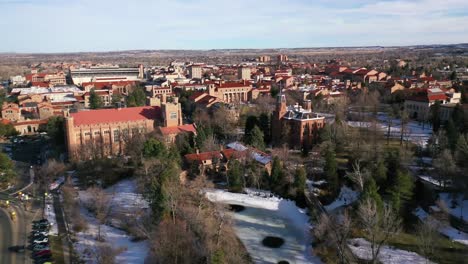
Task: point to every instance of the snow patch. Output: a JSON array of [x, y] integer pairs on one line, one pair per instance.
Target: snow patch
[[387, 255], [458, 207], [448, 231], [346, 197], [50, 215]]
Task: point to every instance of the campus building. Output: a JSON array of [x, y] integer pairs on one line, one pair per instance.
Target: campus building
[[296, 125], [107, 131]]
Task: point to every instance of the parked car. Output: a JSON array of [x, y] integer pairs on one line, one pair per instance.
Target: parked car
[[36, 232], [41, 221], [40, 247], [18, 249], [42, 252], [43, 257], [42, 240]]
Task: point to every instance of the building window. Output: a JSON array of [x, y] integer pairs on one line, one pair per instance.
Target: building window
[[116, 135], [173, 115]]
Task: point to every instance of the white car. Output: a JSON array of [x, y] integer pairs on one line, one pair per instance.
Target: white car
[[40, 241]]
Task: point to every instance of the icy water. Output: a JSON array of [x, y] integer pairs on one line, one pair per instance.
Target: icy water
[[252, 225]]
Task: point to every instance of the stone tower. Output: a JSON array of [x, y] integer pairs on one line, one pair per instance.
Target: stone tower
[[276, 120]]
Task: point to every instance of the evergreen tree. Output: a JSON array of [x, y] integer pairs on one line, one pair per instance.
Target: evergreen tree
[[154, 148], [55, 129], [7, 130], [331, 169], [380, 172], [452, 134], [156, 190], [6, 169], [459, 119], [300, 178], [371, 191], [250, 123], [277, 173], [235, 176], [256, 138], [264, 125], [435, 116], [95, 101], [136, 98], [402, 191]]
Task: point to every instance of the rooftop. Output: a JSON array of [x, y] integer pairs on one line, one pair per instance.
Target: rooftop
[[115, 115]]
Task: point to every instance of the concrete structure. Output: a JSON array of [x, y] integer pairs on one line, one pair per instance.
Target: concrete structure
[[283, 58], [296, 125], [243, 73], [106, 74], [195, 72], [231, 92], [264, 59]]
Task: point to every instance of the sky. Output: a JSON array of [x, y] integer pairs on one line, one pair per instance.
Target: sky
[[110, 25]]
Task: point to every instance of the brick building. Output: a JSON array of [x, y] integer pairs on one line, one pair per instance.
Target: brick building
[[106, 131], [296, 125]]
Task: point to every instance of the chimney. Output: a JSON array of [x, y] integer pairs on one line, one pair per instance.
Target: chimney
[[307, 105], [163, 99], [176, 100], [198, 151]]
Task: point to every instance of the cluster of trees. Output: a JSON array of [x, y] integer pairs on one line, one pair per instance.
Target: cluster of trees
[[182, 218], [257, 132], [7, 130], [7, 170]]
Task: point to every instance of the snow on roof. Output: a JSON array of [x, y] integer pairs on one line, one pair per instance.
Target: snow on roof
[[257, 155], [44, 90]]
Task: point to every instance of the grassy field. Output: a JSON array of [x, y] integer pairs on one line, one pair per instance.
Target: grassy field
[[57, 250], [445, 250]]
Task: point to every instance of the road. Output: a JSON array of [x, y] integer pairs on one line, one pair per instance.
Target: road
[[6, 237]]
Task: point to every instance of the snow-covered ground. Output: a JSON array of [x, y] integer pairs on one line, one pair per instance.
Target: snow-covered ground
[[361, 248], [460, 210], [414, 132], [267, 215], [124, 198], [346, 197], [450, 232], [50, 215], [434, 181]]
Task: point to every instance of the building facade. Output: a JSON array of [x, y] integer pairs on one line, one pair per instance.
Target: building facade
[[243, 73], [295, 125], [195, 72]]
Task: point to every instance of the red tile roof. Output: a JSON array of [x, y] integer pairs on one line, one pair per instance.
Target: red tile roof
[[5, 121], [115, 115], [234, 85], [178, 129], [200, 157]]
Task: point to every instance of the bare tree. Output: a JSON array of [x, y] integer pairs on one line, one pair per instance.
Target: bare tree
[[445, 167], [105, 254], [358, 175], [335, 231], [379, 225], [427, 236], [100, 205]]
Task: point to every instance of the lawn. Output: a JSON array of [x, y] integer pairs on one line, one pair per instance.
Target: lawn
[[445, 250], [56, 246]]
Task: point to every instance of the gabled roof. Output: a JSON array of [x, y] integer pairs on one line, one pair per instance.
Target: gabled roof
[[178, 129], [200, 157], [116, 115]]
